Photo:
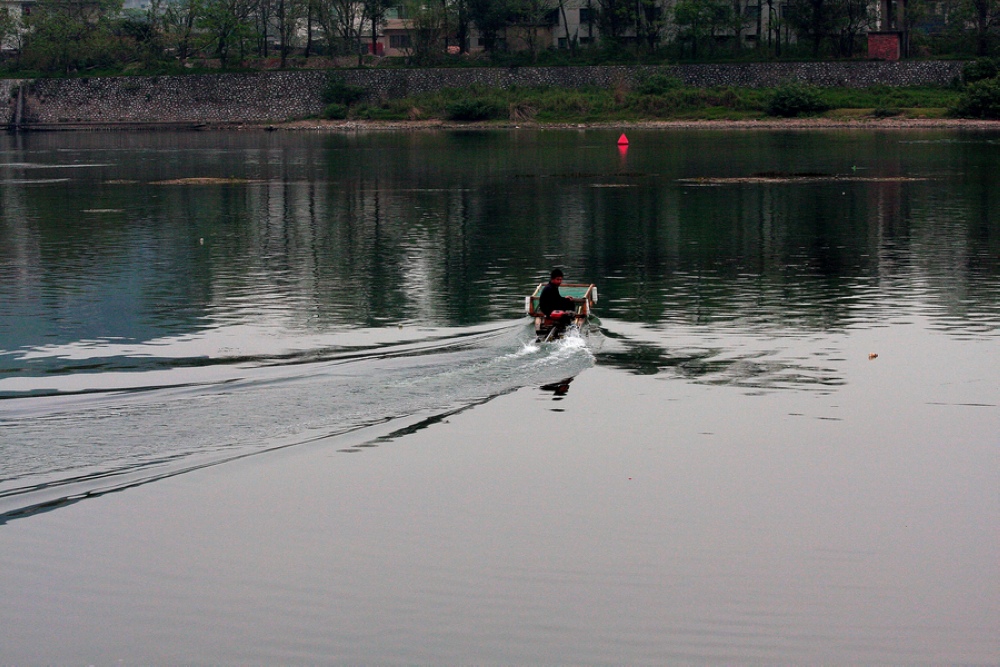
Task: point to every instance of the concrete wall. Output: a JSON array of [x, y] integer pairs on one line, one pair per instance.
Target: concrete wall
[[217, 99]]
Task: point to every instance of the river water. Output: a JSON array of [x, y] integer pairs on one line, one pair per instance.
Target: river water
[[272, 398]]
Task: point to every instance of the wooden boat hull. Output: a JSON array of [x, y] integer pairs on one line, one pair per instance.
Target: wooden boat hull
[[547, 328]]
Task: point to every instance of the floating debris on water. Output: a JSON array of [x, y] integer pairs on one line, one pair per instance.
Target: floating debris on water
[[777, 177], [204, 181]]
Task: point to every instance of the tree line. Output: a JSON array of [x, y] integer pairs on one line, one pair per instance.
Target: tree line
[[70, 36]]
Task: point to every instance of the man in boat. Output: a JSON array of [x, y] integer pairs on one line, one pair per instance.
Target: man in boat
[[553, 304]]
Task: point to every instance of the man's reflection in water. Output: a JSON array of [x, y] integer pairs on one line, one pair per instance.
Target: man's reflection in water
[[558, 389]]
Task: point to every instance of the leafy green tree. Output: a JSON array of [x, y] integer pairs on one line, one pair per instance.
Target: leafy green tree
[[814, 20], [984, 16], [491, 18], [227, 28], [429, 25], [650, 22], [11, 29], [981, 99], [338, 91], [841, 22], [979, 69], [699, 21], [615, 18], [70, 36], [145, 30]]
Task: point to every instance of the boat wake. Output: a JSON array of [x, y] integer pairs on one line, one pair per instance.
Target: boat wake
[[71, 435]]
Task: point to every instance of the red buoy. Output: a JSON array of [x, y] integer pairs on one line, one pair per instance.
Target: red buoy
[[623, 140]]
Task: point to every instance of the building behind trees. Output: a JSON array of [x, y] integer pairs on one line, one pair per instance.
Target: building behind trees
[[73, 36]]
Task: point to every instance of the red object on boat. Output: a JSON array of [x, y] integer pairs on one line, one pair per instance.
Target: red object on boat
[[623, 140]]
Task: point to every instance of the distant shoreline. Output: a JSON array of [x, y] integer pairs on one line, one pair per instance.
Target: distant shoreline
[[411, 98], [320, 125]]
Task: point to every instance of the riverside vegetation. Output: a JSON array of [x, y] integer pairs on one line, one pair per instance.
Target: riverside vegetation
[[101, 36], [103, 39], [665, 98]]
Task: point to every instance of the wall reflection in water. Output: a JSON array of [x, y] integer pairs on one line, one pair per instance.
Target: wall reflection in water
[[98, 238]]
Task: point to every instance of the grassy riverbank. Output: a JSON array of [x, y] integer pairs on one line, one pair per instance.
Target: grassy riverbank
[[654, 100], [896, 123]]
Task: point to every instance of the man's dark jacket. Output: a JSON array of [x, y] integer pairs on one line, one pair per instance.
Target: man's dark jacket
[[550, 300]]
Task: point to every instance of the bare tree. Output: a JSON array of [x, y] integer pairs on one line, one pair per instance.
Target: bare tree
[[856, 18], [373, 14], [179, 21], [310, 19], [650, 23], [11, 29], [571, 40], [288, 17], [342, 20], [529, 16]]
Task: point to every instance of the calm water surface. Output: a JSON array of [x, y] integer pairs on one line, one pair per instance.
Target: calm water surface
[[271, 398]]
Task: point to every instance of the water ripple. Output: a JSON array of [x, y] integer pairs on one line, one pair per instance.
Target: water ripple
[[110, 428]]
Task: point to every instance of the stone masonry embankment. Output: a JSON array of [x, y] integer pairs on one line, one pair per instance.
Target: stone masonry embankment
[[263, 97]]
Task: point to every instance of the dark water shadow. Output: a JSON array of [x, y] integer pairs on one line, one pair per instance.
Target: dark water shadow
[[559, 389], [716, 366]]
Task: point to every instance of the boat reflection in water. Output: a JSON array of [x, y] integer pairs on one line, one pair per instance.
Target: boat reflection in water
[[559, 389]]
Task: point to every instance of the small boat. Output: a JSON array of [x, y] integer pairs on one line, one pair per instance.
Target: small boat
[[549, 328]]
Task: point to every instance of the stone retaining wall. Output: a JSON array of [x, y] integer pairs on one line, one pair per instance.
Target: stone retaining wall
[[263, 97], [210, 99]]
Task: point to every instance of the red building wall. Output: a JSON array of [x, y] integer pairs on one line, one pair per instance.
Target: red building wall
[[884, 45]]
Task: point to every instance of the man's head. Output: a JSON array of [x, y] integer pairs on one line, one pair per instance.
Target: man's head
[[557, 276]]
